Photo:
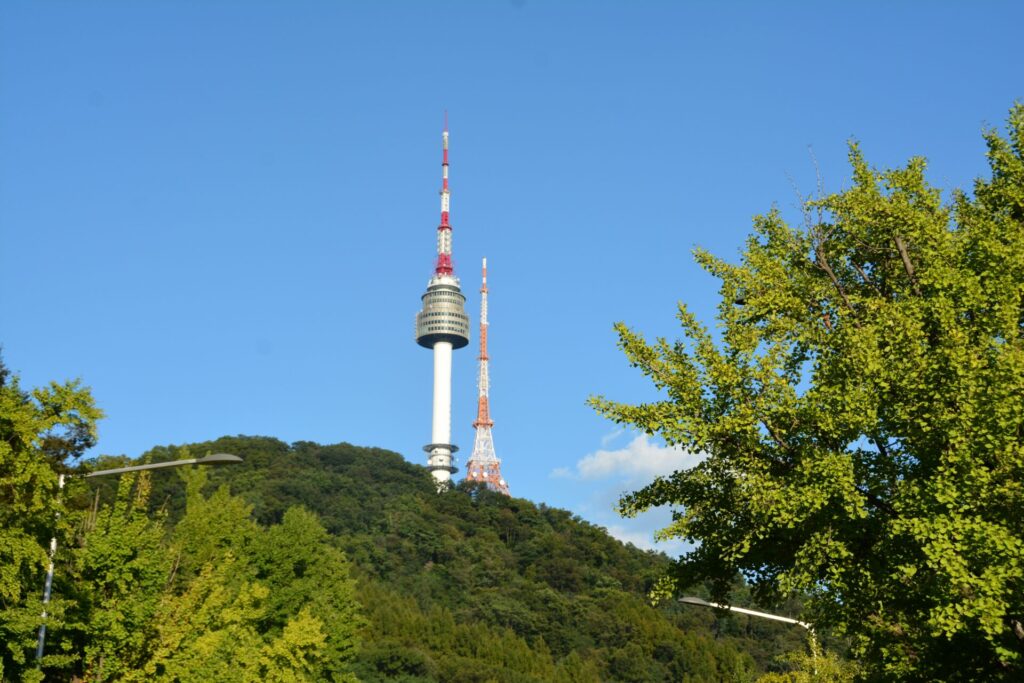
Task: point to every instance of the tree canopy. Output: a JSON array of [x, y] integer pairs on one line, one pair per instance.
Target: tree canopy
[[320, 563], [475, 586], [860, 406], [211, 595], [40, 431], [310, 562]]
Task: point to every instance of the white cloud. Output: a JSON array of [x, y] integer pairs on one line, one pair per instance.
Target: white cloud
[[611, 436], [641, 538], [606, 474], [640, 532], [641, 459]]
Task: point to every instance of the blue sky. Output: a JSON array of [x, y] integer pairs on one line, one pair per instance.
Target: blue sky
[[221, 215]]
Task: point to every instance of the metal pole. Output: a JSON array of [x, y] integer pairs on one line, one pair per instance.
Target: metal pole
[[49, 577]]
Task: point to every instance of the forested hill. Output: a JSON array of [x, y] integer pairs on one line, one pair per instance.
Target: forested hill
[[473, 586]]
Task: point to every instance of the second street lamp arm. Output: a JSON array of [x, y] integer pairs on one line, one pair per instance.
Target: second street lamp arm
[[215, 459], [690, 600], [741, 610]]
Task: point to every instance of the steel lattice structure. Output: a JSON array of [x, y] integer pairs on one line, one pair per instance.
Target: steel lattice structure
[[484, 465]]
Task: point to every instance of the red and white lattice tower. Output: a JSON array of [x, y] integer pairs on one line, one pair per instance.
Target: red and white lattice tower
[[442, 326], [484, 465]]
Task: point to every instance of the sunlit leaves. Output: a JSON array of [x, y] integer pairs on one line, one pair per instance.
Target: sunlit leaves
[[39, 431], [861, 405]]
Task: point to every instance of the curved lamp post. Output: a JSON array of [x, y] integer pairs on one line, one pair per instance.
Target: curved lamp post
[[214, 459], [742, 610], [764, 615]]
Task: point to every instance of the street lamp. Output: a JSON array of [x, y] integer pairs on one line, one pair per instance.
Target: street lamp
[[213, 459], [741, 610], [690, 600]]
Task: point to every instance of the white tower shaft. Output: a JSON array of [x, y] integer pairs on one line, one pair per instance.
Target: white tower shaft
[[441, 432]]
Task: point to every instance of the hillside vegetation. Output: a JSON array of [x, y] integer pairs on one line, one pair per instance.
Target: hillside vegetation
[[474, 586]]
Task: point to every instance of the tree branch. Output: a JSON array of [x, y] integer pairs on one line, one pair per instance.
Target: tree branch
[[866, 279], [872, 498], [775, 437], [907, 265], [822, 262], [1018, 629], [875, 500], [880, 445]]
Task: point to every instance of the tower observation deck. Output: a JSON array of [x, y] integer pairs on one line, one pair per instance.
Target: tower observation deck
[[442, 325]]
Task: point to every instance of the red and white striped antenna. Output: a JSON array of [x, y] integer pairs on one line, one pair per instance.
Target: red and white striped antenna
[[444, 230]]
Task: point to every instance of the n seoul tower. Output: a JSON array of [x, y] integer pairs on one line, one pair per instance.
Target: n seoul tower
[[442, 325]]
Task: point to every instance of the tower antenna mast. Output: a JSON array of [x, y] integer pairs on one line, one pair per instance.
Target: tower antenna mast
[[484, 465]]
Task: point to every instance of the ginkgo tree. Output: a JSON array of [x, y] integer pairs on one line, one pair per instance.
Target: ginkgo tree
[[861, 405], [40, 431]]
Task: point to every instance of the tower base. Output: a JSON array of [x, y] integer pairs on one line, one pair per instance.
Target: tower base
[[441, 462]]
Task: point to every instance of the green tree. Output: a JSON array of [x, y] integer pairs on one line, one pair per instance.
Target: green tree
[[453, 587], [114, 577], [861, 411], [305, 573], [249, 603], [40, 431], [212, 632], [814, 666]]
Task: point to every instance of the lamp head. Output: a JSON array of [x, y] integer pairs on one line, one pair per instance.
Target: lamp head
[[218, 459]]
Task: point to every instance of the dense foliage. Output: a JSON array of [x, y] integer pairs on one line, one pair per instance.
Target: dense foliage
[[474, 586], [214, 597], [862, 413], [39, 432], [242, 573]]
